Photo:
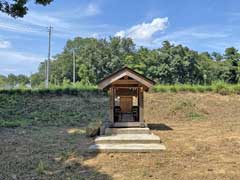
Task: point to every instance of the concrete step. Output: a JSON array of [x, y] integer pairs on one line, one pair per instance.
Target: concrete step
[[127, 124], [128, 139], [127, 147], [127, 131]]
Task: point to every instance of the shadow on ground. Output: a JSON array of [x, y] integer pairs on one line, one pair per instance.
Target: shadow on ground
[[47, 153], [159, 127]]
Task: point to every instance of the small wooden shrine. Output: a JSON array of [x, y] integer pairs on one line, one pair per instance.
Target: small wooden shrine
[[126, 97]]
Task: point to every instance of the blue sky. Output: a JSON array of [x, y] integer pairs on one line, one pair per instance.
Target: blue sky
[[203, 25]]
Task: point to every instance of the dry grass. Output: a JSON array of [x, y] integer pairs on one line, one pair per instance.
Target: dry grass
[[45, 153], [204, 143]]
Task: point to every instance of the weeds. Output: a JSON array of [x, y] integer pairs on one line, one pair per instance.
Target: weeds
[[189, 109], [41, 168], [65, 155], [194, 115], [13, 124], [50, 109], [219, 87], [54, 90]]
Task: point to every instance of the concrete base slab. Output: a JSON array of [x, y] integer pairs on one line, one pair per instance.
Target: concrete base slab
[[128, 138], [128, 124], [127, 131], [127, 148]]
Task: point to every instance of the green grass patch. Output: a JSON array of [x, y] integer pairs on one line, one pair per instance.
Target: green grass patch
[[192, 115], [41, 168], [13, 123], [55, 90], [187, 109], [45, 108], [219, 87]]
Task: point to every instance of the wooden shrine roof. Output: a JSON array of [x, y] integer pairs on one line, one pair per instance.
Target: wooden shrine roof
[[109, 80]]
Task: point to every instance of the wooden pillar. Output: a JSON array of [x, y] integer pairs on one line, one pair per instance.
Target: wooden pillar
[[141, 105], [111, 105]]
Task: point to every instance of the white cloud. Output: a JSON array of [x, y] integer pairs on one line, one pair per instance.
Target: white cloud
[[32, 22], [35, 18], [4, 44], [95, 35], [121, 34], [92, 9], [65, 25], [44, 20], [6, 71], [16, 56], [196, 32], [193, 36], [18, 25], [35, 23], [145, 31], [18, 62], [15, 27]]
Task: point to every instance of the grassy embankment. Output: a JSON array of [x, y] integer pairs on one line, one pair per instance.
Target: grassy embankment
[[82, 104], [54, 107]]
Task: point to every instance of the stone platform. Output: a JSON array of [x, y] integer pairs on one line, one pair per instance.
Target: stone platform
[[127, 140]]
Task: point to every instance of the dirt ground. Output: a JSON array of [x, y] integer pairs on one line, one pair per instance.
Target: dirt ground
[[200, 131]]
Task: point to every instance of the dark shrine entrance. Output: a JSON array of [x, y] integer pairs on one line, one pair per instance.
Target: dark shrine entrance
[[126, 90], [126, 104]]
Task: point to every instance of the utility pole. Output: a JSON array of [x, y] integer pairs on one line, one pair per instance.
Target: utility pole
[[45, 69], [74, 67], [30, 80], [49, 55]]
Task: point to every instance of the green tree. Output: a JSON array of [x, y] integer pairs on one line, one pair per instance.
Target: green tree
[[37, 79], [169, 64], [12, 80], [85, 74], [232, 55], [234, 71], [3, 81], [230, 52], [217, 56], [18, 8], [22, 80]]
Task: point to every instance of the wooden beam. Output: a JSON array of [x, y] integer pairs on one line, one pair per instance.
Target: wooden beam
[[126, 92], [125, 85], [126, 82], [141, 105], [111, 105]]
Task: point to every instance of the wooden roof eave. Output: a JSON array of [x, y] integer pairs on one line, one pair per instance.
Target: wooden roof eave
[[145, 88], [108, 81]]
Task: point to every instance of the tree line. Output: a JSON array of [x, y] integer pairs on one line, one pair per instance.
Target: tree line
[[169, 64]]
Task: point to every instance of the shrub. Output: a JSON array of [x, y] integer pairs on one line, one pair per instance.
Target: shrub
[[218, 87]]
